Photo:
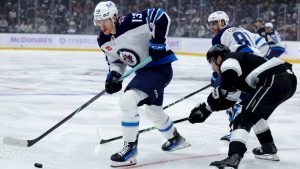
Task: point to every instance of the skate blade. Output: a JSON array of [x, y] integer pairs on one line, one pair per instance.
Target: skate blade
[[214, 167], [129, 162], [181, 146], [271, 157]]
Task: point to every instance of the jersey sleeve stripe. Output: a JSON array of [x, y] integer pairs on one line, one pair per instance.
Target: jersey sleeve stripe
[[153, 15], [245, 49], [168, 27], [278, 49], [149, 15], [150, 12], [257, 41], [159, 13]]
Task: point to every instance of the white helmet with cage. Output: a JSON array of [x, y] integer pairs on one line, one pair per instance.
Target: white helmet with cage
[[218, 16], [105, 10]]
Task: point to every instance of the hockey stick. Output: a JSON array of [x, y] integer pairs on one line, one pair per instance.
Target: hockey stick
[[28, 143], [103, 141]]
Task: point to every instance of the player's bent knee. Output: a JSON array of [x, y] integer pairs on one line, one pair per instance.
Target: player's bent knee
[[241, 122], [130, 99]]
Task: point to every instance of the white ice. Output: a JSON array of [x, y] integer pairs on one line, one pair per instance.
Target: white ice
[[40, 88]]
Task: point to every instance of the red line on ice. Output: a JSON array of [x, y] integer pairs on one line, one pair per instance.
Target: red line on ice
[[195, 157]]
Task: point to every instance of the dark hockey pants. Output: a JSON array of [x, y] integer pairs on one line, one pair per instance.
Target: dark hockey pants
[[269, 94]]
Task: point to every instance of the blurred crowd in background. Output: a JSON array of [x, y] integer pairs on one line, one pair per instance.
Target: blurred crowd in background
[[189, 17]]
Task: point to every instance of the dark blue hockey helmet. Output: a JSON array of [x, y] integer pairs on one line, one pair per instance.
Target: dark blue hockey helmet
[[216, 50]]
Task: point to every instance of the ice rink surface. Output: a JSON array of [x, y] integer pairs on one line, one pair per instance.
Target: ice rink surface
[[40, 88]]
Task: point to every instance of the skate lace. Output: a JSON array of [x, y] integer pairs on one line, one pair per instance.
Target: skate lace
[[171, 142], [124, 149]]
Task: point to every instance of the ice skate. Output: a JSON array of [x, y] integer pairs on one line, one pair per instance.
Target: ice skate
[[125, 157], [266, 152], [175, 143], [231, 162], [226, 137]]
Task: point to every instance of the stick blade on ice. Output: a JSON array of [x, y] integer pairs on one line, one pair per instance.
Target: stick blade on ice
[[15, 142]]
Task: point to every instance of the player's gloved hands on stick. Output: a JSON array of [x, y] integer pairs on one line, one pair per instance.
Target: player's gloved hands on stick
[[217, 100], [199, 114], [112, 85], [157, 49]]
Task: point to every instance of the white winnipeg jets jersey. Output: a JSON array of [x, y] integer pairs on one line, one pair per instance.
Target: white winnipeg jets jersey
[[130, 45], [242, 40], [274, 39], [129, 48]]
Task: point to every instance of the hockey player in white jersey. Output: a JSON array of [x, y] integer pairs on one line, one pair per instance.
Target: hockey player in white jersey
[[126, 41], [237, 40], [274, 41]]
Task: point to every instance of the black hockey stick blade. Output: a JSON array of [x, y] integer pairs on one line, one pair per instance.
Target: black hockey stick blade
[[27, 143]]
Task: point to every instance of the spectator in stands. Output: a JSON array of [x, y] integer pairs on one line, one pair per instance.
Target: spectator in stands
[[179, 31], [260, 27], [72, 28], [58, 13], [12, 16], [42, 28], [3, 24], [201, 32]]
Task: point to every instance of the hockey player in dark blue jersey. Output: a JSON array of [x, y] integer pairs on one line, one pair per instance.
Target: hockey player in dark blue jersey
[[126, 41]]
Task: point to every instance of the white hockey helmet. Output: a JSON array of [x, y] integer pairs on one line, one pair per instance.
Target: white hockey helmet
[[218, 16], [269, 25], [105, 10]]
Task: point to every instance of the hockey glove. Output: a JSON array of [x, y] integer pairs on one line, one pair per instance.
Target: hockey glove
[[157, 49], [217, 100], [199, 114], [112, 85]]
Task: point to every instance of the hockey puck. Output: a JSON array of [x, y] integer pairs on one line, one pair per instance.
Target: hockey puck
[[38, 165]]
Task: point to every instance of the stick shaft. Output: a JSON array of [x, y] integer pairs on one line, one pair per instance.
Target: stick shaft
[[103, 141], [19, 142]]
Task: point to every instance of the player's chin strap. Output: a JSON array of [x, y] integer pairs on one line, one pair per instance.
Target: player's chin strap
[[114, 24]]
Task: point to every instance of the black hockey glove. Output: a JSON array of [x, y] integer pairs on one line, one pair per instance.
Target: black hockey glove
[[112, 85], [157, 49], [217, 100], [199, 114]]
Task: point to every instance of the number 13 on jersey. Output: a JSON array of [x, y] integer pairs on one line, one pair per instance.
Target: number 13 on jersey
[[137, 17]]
